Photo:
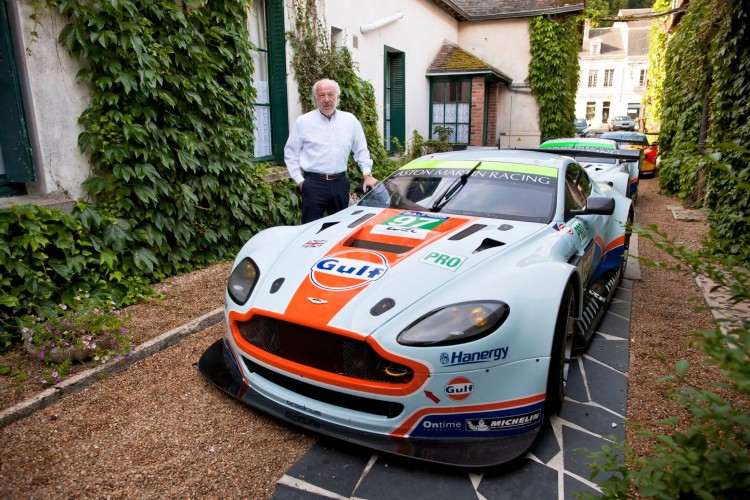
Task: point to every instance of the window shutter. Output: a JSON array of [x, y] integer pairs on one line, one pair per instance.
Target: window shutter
[[14, 137], [398, 97], [277, 77]]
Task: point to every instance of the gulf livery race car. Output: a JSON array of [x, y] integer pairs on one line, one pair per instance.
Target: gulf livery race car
[[636, 140], [617, 168], [436, 318]]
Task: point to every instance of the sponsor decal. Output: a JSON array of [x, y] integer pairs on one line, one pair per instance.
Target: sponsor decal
[[457, 358], [444, 260], [562, 228], [481, 174], [314, 244], [510, 422], [317, 301], [302, 408], [301, 420], [459, 388], [416, 225], [580, 230], [348, 270], [492, 423]]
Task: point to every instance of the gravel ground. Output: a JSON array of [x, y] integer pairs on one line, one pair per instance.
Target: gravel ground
[[158, 429]]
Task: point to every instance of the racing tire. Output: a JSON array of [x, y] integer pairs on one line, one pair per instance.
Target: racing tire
[[562, 352], [626, 243]]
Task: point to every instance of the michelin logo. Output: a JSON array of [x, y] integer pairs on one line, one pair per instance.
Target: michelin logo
[[498, 424], [457, 358]]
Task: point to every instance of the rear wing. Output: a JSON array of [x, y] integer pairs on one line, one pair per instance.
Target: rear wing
[[627, 155]]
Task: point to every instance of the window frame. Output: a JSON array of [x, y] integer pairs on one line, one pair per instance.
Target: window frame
[[458, 81]]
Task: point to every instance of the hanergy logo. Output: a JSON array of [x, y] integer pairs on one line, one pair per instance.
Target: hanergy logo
[[348, 270]]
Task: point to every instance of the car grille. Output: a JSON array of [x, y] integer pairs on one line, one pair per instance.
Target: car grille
[[386, 409], [323, 350]]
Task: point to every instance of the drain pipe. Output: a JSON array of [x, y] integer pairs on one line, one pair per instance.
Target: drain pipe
[[366, 28]]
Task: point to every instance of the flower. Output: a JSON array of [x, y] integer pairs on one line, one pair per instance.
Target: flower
[[87, 328]]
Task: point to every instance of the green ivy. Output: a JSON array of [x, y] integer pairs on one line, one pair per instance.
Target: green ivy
[[653, 98], [169, 133], [553, 74], [708, 60]]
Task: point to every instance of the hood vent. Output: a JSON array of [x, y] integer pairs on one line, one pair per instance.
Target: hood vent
[[487, 244], [377, 246], [325, 226], [467, 232], [360, 220]]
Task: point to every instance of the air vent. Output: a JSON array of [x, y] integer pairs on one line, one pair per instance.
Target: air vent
[[505, 227], [360, 220], [487, 244], [326, 225], [467, 232], [377, 246]]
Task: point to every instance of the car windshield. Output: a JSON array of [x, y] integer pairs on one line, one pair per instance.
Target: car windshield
[[586, 160], [487, 193]]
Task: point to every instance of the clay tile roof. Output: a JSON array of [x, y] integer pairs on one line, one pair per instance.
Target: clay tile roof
[[453, 60], [474, 10]]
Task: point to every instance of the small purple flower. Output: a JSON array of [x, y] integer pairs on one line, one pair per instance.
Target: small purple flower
[[54, 374], [58, 380], [123, 330], [111, 341], [63, 307], [52, 344], [41, 355], [25, 330]]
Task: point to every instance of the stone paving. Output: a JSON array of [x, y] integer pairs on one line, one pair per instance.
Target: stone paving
[[554, 468]]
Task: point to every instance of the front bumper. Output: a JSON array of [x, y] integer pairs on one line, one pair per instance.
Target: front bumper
[[218, 366]]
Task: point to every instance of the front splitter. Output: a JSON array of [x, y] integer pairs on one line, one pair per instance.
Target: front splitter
[[217, 365]]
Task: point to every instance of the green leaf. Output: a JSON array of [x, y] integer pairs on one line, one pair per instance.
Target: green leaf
[[682, 367]]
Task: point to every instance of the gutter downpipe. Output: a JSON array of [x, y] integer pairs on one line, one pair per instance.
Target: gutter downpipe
[[366, 28]]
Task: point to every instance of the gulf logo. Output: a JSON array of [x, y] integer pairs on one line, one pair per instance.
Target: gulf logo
[[348, 270], [459, 388]]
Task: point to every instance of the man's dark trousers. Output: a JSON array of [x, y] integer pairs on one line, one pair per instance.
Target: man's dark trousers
[[319, 196]]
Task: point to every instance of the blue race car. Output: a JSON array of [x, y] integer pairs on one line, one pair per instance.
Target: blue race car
[[436, 318]]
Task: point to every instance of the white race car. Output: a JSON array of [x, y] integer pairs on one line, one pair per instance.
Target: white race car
[[603, 160], [436, 318]]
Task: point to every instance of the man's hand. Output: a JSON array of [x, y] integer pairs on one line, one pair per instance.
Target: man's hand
[[369, 183]]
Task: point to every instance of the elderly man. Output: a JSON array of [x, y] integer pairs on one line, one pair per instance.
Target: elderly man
[[317, 152]]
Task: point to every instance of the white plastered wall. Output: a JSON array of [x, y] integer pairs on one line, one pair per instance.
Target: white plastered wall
[[53, 101], [504, 44]]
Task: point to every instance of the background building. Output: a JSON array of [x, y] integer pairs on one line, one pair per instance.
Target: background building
[[614, 68]]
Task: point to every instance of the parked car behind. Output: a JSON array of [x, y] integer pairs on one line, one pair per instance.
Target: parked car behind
[[621, 123], [636, 140], [582, 128]]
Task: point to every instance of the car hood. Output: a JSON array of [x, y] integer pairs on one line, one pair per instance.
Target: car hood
[[344, 271]]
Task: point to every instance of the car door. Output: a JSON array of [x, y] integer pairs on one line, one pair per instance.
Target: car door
[[586, 228]]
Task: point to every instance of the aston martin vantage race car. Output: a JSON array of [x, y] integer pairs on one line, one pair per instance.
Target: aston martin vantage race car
[[437, 317]]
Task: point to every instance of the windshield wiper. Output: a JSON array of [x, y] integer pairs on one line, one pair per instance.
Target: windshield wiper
[[455, 186]]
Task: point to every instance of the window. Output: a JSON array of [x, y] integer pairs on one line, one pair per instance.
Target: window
[[577, 189], [609, 76], [451, 108], [642, 78], [590, 110], [593, 75], [605, 111], [257, 28], [266, 28]]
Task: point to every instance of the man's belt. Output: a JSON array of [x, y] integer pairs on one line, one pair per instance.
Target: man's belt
[[324, 177]]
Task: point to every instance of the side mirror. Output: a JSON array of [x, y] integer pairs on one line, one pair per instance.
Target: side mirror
[[597, 205]]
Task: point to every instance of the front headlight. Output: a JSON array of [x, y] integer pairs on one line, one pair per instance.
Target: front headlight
[[242, 280], [455, 324]]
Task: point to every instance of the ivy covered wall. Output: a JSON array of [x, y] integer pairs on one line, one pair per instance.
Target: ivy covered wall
[[706, 89]]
